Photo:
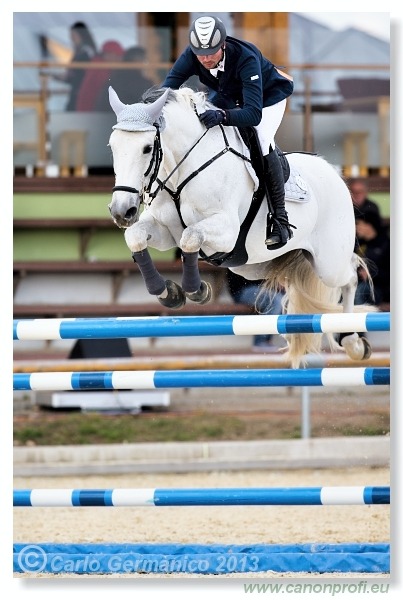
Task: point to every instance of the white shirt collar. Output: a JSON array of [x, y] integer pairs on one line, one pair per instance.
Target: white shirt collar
[[219, 67]]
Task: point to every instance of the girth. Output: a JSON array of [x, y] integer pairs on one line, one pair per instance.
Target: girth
[[238, 255]]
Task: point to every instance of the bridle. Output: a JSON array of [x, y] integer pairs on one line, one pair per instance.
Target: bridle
[[155, 164], [156, 160]]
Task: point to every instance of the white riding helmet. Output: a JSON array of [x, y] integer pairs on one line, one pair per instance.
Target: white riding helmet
[[207, 35]]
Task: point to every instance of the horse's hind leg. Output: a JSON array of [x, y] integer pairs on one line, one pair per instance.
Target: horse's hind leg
[[356, 346], [195, 289]]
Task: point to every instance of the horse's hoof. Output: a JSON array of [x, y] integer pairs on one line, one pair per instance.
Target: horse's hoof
[[356, 346], [367, 348], [203, 295], [175, 298]]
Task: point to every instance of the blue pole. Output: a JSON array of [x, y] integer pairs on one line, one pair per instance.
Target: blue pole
[[47, 329], [309, 496], [100, 380]]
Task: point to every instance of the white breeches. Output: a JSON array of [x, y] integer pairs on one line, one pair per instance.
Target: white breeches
[[267, 128]]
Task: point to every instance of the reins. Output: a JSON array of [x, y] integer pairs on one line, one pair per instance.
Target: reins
[[162, 184], [226, 149], [175, 194]]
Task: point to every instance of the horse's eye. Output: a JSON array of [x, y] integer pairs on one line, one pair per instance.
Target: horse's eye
[[147, 149]]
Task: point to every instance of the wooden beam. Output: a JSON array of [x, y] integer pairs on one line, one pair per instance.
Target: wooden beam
[[268, 31]]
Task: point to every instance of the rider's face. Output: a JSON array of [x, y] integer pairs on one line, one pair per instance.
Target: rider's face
[[210, 61]]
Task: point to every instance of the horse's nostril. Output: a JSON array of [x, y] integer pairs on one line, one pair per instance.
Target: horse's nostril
[[131, 213]]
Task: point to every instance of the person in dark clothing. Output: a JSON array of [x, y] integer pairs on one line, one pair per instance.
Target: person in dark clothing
[[248, 90], [374, 246], [84, 51], [129, 84], [361, 203]]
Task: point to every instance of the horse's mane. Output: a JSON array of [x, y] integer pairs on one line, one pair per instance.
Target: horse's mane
[[190, 96], [155, 92]]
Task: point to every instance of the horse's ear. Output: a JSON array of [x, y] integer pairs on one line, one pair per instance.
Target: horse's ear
[[114, 101], [154, 110]]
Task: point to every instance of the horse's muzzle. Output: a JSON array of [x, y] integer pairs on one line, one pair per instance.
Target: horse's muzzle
[[125, 220]]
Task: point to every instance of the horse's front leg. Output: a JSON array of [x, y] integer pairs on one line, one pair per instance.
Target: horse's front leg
[[169, 294], [213, 233], [194, 287]]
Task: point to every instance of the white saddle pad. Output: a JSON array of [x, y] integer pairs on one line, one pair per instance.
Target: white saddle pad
[[296, 189]]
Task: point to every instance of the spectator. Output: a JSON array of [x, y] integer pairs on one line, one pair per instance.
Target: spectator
[[361, 203], [84, 50], [95, 80], [248, 292], [374, 246], [129, 84]]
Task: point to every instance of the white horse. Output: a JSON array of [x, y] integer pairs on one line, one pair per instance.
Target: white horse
[[197, 187]]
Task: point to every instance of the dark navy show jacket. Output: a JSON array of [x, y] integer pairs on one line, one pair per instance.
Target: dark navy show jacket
[[250, 81]]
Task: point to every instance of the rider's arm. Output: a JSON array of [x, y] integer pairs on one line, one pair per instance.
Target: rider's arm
[[262, 85]]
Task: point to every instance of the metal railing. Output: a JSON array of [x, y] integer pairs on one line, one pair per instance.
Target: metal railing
[[39, 100]]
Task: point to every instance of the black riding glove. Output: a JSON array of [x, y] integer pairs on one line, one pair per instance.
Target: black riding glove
[[210, 118]]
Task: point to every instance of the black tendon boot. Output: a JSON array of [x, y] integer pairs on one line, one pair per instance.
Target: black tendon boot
[[280, 232]]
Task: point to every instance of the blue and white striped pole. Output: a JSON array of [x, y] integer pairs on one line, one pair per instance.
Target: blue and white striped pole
[[67, 329], [203, 497], [145, 380]]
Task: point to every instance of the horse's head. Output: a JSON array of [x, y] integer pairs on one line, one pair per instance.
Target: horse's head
[[135, 149]]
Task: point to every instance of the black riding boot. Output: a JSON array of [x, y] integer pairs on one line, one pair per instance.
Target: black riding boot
[[280, 232]]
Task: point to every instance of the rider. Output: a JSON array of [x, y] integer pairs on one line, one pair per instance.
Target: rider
[[249, 91]]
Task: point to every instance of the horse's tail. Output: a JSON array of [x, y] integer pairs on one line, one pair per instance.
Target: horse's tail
[[305, 293]]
